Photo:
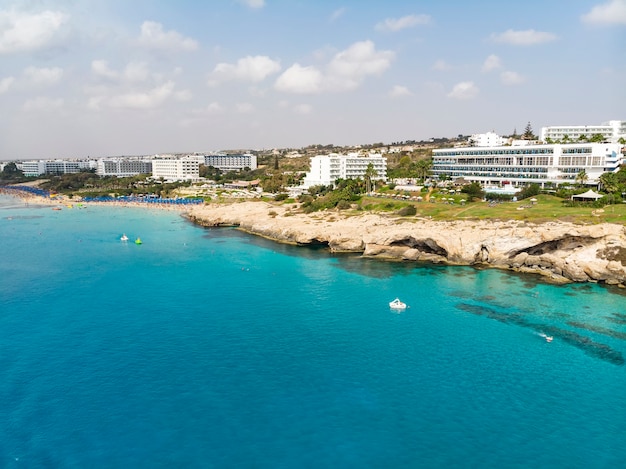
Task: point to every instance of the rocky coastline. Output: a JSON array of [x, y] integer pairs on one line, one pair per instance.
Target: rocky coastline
[[561, 252]]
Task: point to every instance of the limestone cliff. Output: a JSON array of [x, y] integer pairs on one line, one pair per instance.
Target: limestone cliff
[[560, 251]]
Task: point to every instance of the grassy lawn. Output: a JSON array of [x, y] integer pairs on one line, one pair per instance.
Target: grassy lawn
[[547, 208]]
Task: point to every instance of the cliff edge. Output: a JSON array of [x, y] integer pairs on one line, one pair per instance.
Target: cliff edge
[[560, 251]]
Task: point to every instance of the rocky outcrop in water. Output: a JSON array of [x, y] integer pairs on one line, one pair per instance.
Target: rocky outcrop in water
[[560, 251]]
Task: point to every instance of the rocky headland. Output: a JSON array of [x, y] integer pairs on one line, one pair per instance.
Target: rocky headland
[[560, 251]]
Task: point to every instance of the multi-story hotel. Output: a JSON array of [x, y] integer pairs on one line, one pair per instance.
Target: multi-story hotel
[[173, 168], [326, 169], [123, 167], [611, 131], [37, 168], [534, 163], [231, 162]]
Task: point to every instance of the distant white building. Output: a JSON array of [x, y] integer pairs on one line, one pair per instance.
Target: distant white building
[[523, 165], [37, 168], [172, 168], [326, 169], [612, 131], [123, 167], [489, 139], [231, 162]]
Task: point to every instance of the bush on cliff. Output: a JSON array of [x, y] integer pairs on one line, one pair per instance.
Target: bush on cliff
[[343, 205], [407, 211]]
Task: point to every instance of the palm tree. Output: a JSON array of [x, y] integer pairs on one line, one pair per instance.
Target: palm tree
[[582, 177], [370, 173], [423, 167], [609, 182]]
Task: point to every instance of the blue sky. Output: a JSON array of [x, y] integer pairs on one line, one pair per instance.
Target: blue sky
[[117, 77]]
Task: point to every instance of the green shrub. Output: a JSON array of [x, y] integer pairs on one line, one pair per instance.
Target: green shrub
[[407, 211], [528, 191], [343, 205]]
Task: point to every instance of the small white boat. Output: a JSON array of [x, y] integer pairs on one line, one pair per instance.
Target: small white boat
[[397, 304], [548, 338], [124, 237]]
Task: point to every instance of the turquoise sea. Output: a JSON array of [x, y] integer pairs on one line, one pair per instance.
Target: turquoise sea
[[210, 348]]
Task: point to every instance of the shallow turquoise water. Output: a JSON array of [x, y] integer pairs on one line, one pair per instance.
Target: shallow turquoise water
[[210, 348]]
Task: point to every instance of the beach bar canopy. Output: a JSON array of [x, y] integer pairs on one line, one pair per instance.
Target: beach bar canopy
[[589, 195]]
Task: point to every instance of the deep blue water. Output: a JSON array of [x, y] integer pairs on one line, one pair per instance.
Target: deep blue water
[[211, 348]]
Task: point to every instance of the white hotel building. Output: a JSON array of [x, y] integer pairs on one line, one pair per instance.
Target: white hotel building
[[489, 139], [523, 165], [172, 168], [37, 168], [123, 167], [231, 162], [326, 169], [612, 131]]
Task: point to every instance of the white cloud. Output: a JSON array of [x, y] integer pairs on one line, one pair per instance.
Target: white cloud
[[153, 36], [253, 3], [350, 67], [183, 95], [251, 69], [101, 68], [302, 109], [94, 103], [43, 104], [244, 108], [25, 32], [441, 66], [337, 14], [464, 90], [611, 12], [5, 84], [512, 78], [491, 63], [214, 108], [134, 72], [346, 71], [299, 79], [528, 37], [145, 99], [43, 76], [397, 24], [399, 91]]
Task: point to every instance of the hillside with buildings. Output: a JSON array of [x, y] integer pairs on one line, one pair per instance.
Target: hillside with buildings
[[586, 155]]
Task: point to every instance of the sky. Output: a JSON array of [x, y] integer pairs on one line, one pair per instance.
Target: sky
[[92, 78]]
